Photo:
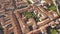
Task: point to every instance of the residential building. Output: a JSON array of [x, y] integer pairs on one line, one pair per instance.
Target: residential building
[[15, 22]]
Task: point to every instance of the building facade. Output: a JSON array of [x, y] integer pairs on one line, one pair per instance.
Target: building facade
[[15, 22]]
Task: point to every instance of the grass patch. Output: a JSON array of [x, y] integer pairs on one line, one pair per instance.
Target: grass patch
[[28, 14], [52, 7], [31, 15], [1, 27], [53, 31], [57, 27], [29, 2]]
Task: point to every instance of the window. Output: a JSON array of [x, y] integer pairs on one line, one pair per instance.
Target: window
[[31, 28], [11, 33], [10, 25], [23, 6], [2, 16], [7, 19], [0, 6], [19, 0], [59, 7], [39, 32]]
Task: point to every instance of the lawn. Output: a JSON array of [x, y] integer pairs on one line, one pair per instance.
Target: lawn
[[31, 15], [29, 2], [28, 14], [57, 27], [52, 7], [53, 31], [1, 27]]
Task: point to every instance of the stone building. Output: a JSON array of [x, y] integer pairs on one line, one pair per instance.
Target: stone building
[[15, 22]]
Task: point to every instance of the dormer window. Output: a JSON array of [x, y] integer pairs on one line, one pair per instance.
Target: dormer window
[[9, 26], [11, 33], [31, 28], [18, 0]]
